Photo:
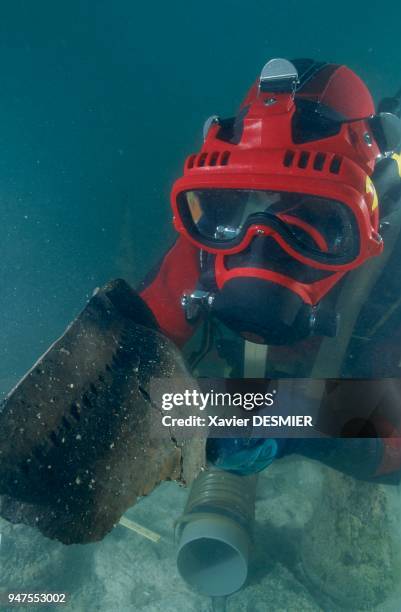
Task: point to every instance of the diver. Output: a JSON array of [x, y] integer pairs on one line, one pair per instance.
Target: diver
[[280, 217], [281, 204]]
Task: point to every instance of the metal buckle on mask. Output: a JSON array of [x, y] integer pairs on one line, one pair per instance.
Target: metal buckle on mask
[[278, 75], [225, 232], [196, 303]]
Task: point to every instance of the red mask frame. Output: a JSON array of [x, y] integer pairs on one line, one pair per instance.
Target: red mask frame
[[349, 192]]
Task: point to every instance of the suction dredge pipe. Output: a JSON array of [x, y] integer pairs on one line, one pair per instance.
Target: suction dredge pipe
[[214, 535]]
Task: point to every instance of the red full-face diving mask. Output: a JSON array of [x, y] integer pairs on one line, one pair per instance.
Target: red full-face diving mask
[[281, 196]]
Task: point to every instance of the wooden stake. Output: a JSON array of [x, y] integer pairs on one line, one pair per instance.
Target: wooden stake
[[143, 531]]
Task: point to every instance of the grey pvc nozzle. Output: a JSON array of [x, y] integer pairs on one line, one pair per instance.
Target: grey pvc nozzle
[[214, 538]]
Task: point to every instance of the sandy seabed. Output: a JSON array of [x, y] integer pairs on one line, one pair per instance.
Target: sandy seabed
[[323, 542]]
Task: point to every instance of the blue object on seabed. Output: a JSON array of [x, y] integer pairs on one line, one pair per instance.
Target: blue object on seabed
[[243, 455]]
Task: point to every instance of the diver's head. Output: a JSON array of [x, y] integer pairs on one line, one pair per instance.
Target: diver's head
[[281, 199]]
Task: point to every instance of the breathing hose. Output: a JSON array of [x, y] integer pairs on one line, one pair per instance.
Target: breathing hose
[[214, 534]]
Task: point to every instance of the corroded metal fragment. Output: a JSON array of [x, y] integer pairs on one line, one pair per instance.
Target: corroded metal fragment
[[80, 437]]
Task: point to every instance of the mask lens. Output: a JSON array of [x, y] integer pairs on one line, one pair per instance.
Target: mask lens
[[320, 224], [316, 227], [220, 214]]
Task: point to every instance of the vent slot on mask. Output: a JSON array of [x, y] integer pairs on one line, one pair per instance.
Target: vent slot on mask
[[304, 159], [335, 164], [216, 158], [318, 163]]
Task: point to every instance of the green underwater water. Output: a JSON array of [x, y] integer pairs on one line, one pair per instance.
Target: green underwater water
[[100, 103]]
